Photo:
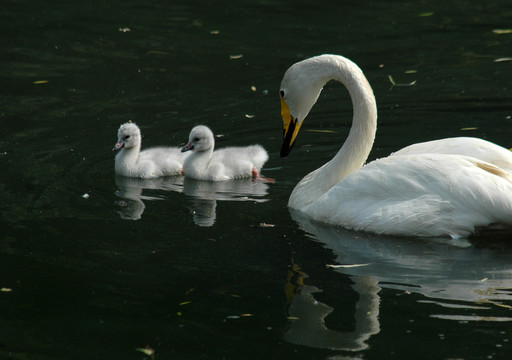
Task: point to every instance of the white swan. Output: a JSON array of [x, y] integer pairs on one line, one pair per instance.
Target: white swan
[[150, 163], [447, 187], [223, 164]]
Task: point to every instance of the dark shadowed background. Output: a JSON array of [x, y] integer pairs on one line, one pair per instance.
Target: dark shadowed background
[[93, 266]]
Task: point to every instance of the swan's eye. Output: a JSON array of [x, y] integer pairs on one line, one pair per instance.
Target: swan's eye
[[196, 139], [281, 93], [127, 137]]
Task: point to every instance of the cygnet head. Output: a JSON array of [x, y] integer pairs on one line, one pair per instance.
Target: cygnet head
[[200, 139], [128, 136]]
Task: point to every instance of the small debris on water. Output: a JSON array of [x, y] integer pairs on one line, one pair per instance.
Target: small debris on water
[[502, 31], [393, 83], [146, 350], [265, 225], [346, 266]]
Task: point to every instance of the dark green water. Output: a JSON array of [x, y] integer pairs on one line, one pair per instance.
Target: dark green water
[[185, 267]]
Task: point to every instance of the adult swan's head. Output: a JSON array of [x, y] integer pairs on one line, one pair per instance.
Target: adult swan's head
[[302, 84]]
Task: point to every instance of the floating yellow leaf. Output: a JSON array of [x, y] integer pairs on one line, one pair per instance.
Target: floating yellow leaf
[[156, 52], [246, 315], [489, 291], [40, 82], [4, 289], [265, 225], [147, 351], [392, 81], [185, 303], [502, 31], [501, 305], [292, 318], [214, 32], [412, 71], [469, 128], [344, 266], [495, 303], [179, 313], [425, 14]]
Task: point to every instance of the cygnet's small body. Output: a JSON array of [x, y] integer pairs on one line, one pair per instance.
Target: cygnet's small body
[[224, 164], [150, 163]]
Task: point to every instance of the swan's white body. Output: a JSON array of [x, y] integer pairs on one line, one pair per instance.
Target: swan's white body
[[445, 187], [224, 164], [150, 163]]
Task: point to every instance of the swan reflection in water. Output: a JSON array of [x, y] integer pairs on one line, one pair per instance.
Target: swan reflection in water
[[307, 315], [455, 276], [203, 195]]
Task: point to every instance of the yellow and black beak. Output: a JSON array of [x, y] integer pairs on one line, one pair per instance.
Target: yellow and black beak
[[291, 128]]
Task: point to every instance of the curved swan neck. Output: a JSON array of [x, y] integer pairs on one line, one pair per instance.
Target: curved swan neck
[[359, 142]]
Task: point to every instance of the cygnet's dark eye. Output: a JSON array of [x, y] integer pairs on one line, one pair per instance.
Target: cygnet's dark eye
[[281, 93], [196, 139], [126, 137]]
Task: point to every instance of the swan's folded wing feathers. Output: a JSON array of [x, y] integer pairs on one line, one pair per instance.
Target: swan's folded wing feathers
[[467, 146], [407, 195], [162, 153], [161, 161], [254, 154]]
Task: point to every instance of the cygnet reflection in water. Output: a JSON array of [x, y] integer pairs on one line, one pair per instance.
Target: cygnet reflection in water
[[130, 191], [203, 195]]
